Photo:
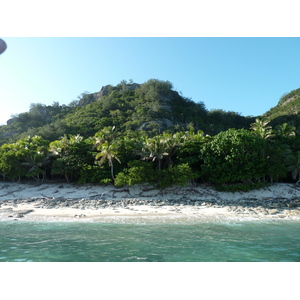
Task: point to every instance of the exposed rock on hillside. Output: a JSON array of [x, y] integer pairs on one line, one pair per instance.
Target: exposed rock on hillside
[[104, 91]]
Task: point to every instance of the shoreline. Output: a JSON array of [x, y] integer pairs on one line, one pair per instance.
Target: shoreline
[[92, 203]]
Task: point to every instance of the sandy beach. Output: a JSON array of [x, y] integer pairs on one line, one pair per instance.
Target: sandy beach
[[92, 203]]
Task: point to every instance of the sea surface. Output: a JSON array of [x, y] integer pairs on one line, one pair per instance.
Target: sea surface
[[151, 240]]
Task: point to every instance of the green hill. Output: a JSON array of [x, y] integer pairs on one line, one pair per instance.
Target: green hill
[[153, 107], [286, 111]]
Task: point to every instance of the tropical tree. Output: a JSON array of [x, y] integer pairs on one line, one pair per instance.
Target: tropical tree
[[27, 157], [107, 134], [35, 164], [34, 156], [261, 128], [108, 152], [285, 130], [192, 135], [275, 161], [180, 174], [155, 149], [10, 162], [71, 153], [129, 148], [172, 142], [190, 150], [234, 156], [138, 172]]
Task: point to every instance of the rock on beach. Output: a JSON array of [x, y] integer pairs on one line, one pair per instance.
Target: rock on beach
[[26, 200]]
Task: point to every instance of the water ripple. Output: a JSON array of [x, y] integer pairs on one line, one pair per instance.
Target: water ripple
[[150, 241]]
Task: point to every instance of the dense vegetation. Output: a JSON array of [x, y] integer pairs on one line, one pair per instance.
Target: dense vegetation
[[147, 133], [286, 111], [151, 107]]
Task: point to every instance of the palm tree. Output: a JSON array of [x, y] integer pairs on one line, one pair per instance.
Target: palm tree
[[10, 162], [173, 142], [285, 130], [105, 134], [70, 153], [60, 147], [108, 152], [261, 128], [155, 149], [198, 136], [34, 156], [36, 164]]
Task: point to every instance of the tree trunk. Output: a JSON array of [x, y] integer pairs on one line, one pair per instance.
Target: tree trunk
[[112, 171]]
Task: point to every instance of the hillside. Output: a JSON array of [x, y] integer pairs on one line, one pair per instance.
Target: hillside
[[152, 107], [148, 133], [286, 111]]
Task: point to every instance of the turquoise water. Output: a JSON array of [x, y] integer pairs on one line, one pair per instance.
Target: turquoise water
[[150, 241]]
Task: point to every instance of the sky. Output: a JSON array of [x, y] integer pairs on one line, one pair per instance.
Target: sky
[[247, 75]]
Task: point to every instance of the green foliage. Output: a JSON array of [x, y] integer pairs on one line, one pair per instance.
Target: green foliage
[[262, 129], [287, 97], [155, 149], [94, 174], [108, 152], [220, 120], [190, 150], [156, 135], [189, 153], [275, 161], [138, 172], [41, 120], [152, 107], [10, 166], [142, 172], [234, 156], [176, 175], [27, 157], [293, 165], [107, 147], [72, 153], [287, 110], [285, 130]]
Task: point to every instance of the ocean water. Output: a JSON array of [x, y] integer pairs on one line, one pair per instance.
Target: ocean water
[[150, 240]]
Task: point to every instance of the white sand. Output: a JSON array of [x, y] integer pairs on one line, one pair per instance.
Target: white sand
[[10, 191]]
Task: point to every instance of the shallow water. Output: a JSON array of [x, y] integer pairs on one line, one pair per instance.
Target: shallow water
[[150, 241]]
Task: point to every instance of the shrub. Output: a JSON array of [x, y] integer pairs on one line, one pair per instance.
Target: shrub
[[176, 175], [138, 172], [234, 156], [94, 174]]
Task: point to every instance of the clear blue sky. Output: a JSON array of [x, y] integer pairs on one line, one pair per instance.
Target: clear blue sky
[[246, 75]]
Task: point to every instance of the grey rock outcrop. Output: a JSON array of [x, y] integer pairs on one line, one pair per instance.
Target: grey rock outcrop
[[103, 92]]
